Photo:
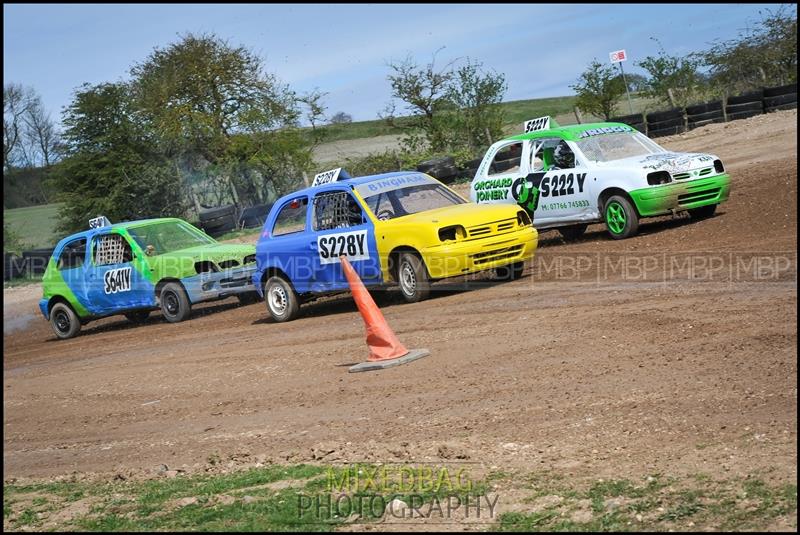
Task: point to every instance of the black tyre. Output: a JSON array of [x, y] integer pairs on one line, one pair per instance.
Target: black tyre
[[743, 115], [207, 214], [248, 298], [428, 165], [772, 102], [753, 96], [671, 131], [665, 124], [703, 212], [789, 106], [412, 275], [730, 109], [510, 272], [281, 299], [636, 118], [704, 108], [780, 90], [658, 116], [64, 321], [572, 232], [697, 117], [175, 304], [621, 218], [138, 316], [698, 124]]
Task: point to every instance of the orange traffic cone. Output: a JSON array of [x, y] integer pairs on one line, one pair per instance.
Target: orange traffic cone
[[385, 349]]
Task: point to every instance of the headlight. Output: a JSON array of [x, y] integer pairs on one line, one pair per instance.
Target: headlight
[[453, 232], [659, 177], [718, 167], [523, 219]]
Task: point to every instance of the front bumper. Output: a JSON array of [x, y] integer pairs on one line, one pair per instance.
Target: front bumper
[[659, 200], [209, 286], [469, 256]]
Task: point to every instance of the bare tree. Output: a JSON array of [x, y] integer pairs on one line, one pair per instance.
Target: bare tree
[[40, 133], [16, 102]]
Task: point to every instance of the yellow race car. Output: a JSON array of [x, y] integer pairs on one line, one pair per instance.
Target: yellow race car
[[405, 228]]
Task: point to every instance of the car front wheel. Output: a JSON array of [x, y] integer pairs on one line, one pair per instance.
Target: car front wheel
[[175, 304], [413, 278], [510, 272], [703, 212], [64, 321], [281, 299], [621, 218]]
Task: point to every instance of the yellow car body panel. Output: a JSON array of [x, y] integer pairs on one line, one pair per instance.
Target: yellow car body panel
[[494, 237]]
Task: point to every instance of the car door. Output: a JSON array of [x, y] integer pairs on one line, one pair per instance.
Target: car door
[[71, 263], [563, 192], [341, 227], [287, 247], [114, 282], [507, 165]]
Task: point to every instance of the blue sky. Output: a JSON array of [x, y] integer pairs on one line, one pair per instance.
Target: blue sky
[[343, 49]]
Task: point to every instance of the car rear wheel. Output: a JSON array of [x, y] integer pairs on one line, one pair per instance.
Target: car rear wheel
[[413, 278], [281, 299], [64, 321], [175, 304], [621, 218], [510, 272], [138, 316], [703, 212]]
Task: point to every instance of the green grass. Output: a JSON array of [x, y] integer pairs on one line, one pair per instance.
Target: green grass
[[35, 225], [696, 503]]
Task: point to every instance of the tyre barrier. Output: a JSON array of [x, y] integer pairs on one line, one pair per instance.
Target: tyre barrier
[[780, 90], [750, 97], [430, 165], [780, 102], [703, 114], [13, 266], [218, 220], [659, 116], [636, 121], [254, 216], [34, 262]]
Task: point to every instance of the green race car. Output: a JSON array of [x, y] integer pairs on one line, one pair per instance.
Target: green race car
[[135, 267]]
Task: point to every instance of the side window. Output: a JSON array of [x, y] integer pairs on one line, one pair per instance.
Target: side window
[[110, 249], [543, 154], [72, 255], [336, 209], [506, 160], [291, 218]]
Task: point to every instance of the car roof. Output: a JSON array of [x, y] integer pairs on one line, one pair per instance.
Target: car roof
[[123, 225], [357, 181], [570, 132]]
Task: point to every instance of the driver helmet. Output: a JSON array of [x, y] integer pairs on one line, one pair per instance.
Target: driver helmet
[[563, 156]]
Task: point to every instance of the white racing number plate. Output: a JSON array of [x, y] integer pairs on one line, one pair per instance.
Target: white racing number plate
[[117, 280], [353, 245]]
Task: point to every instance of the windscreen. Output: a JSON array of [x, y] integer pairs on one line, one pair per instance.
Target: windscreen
[[411, 200], [168, 236], [616, 146]]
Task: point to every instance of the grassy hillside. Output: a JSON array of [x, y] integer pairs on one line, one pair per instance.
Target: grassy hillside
[[35, 225]]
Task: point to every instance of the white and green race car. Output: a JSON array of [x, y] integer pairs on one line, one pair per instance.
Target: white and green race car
[[568, 177]]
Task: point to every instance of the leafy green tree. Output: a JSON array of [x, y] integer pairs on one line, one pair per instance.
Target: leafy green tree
[[201, 91], [476, 95], [111, 167], [763, 55], [672, 79], [599, 89]]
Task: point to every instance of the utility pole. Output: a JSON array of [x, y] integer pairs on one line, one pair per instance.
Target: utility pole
[[630, 104]]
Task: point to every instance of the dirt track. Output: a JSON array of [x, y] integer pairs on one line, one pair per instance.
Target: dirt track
[[664, 365]]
